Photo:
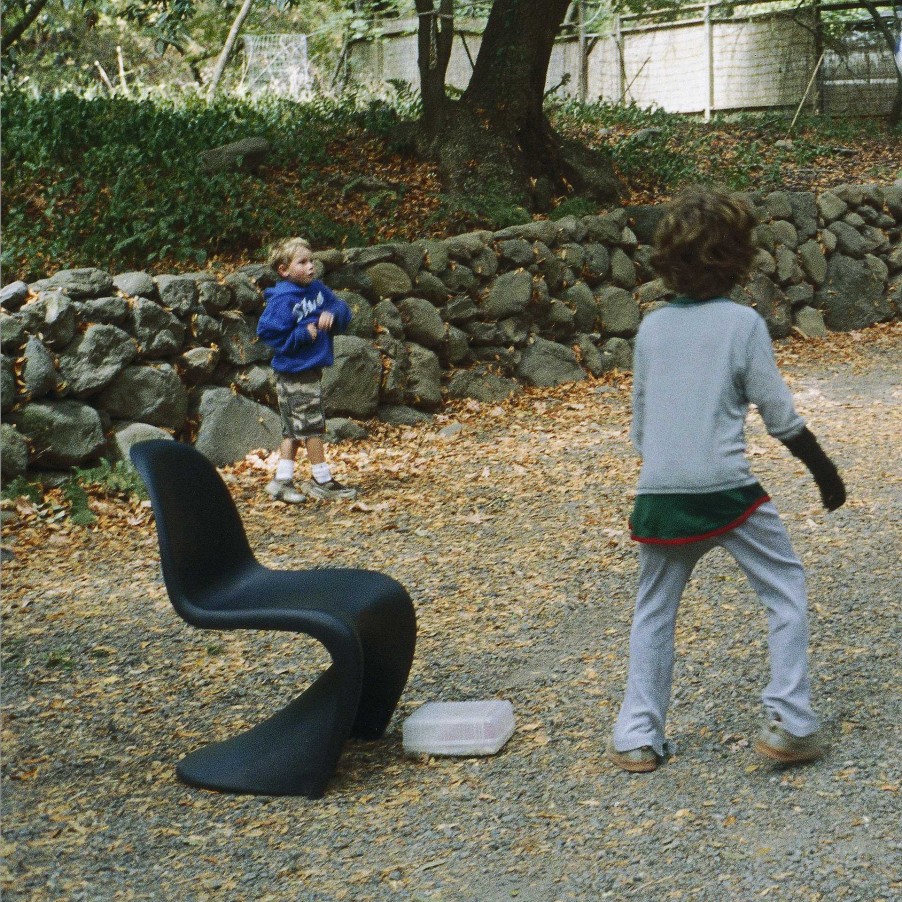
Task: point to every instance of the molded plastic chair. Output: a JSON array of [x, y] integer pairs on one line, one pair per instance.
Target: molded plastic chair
[[365, 620]]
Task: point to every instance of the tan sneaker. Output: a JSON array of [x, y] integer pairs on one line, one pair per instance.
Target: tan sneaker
[[636, 761], [284, 490], [776, 743]]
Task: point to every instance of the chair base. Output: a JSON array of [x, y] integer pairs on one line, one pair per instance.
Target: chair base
[[293, 753]]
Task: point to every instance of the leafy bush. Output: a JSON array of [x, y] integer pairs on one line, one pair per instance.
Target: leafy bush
[[116, 182], [119, 478]]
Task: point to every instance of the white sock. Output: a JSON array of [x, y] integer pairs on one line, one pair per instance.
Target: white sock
[[321, 473], [284, 470]]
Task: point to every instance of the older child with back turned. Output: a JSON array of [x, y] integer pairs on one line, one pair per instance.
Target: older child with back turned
[[298, 322], [699, 362]]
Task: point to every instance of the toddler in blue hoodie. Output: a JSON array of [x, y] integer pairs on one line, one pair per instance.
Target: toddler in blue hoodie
[[298, 323]]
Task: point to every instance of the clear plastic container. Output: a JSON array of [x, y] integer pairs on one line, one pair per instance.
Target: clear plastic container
[[459, 728]]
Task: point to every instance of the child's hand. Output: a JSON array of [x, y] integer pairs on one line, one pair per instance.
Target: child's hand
[[311, 328], [325, 320]]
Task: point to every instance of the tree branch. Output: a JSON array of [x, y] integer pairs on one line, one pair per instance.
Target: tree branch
[[13, 34]]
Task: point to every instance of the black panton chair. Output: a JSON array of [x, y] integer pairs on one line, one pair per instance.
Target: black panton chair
[[365, 620]]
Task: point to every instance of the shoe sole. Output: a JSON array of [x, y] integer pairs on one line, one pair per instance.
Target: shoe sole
[[634, 767], [329, 496], [277, 496], [768, 751]]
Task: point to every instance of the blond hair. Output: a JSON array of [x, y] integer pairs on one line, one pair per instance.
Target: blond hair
[[285, 251], [705, 243]]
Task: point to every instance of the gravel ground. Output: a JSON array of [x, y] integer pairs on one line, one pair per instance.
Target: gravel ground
[[511, 540]]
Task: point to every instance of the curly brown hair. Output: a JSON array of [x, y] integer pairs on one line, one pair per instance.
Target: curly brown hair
[[704, 245]]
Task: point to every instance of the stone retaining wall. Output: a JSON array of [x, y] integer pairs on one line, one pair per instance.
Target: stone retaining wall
[[93, 362]]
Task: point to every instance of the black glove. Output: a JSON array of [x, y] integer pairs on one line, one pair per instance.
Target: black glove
[[804, 446]]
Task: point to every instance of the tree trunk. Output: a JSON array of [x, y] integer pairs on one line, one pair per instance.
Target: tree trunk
[[227, 47], [435, 34], [497, 140], [895, 114]]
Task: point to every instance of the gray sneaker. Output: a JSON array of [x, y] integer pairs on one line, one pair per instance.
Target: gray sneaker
[[284, 490], [776, 743], [329, 491]]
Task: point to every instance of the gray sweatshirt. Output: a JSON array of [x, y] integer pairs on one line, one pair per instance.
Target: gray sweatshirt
[[696, 369]]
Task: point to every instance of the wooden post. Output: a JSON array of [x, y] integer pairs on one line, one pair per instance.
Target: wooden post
[[621, 62]]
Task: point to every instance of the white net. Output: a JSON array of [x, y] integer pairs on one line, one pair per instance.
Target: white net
[[277, 64]]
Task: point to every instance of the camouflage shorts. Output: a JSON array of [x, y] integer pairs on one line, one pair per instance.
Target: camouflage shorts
[[301, 404]]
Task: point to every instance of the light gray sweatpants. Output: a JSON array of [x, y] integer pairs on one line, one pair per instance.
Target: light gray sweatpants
[[762, 549]]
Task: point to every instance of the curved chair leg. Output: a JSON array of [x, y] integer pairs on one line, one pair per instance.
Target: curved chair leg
[[294, 752], [387, 638]]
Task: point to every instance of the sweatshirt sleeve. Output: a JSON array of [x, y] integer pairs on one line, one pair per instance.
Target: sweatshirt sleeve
[[764, 386], [636, 426], [339, 309], [278, 329]]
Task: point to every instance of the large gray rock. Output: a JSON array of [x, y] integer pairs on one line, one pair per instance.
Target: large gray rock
[[482, 385], [431, 287], [255, 381], [13, 295], [547, 363], [77, 283], [40, 375], [422, 322], [848, 240], [94, 359], [620, 313], [351, 384], [813, 261], [58, 325], [516, 251], [456, 346], [617, 354], [362, 320], [232, 426], [214, 296], [62, 434], [246, 295], [810, 322], [13, 331], [585, 307], [830, 207], [804, 213], [458, 279], [508, 296], [178, 294], [113, 310], [772, 303], [159, 333], [127, 434], [7, 383], [785, 233], [596, 263], [239, 343], [147, 394], [388, 280], [424, 378], [135, 284], [13, 452], [644, 220], [246, 155], [623, 270], [387, 318], [197, 365], [852, 295]]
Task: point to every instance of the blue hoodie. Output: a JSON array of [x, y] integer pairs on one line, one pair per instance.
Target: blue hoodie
[[290, 308]]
